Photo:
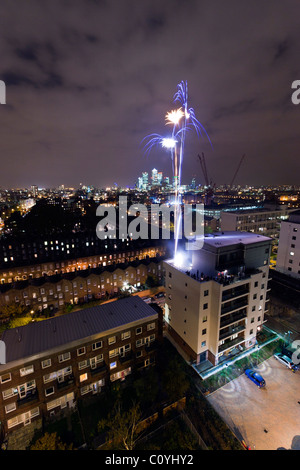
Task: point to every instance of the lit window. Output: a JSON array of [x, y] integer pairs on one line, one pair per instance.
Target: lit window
[[125, 335], [10, 407], [112, 340], [5, 378], [26, 370]]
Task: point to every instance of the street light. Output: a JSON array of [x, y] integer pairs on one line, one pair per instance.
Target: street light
[[288, 333]]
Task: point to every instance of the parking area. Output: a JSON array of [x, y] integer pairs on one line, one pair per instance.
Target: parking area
[[266, 419]]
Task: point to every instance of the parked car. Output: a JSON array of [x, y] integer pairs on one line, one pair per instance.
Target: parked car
[[159, 295], [148, 300], [255, 377], [286, 361]]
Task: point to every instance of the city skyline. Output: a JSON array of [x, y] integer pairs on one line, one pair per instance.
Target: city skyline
[[84, 86]]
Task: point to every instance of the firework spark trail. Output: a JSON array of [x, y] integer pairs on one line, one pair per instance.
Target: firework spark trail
[[179, 119]]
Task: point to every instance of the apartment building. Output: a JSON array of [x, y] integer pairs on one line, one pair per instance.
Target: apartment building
[[53, 363], [264, 221], [288, 255], [216, 297], [80, 286], [14, 270], [54, 292]]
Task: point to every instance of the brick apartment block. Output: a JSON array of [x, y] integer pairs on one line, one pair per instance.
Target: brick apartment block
[[52, 363]]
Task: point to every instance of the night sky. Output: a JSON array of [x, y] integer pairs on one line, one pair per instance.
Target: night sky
[[87, 80]]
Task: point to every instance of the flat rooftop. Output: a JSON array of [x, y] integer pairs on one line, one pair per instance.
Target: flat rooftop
[[295, 217], [38, 337], [190, 261], [233, 238], [259, 210]]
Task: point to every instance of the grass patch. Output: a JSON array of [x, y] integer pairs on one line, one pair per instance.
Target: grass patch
[[236, 369]]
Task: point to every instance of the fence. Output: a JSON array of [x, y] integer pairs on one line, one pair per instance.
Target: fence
[[192, 428]]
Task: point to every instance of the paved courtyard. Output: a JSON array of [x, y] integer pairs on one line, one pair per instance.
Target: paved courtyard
[[266, 419]]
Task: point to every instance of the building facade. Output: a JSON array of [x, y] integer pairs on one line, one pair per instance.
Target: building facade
[[288, 255], [52, 363], [79, 286], [216, 300], [263, 221], [16, 271]]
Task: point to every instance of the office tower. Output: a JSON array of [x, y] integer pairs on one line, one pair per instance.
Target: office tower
[[154, 177], [140, 183], [145, 180], [159, 177], [34, 190]]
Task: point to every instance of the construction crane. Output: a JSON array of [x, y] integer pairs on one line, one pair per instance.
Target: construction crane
[[204, 169], [209, 191], [236, 172]]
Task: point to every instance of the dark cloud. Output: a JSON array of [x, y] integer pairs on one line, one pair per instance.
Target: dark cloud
[[281, 49], [88, 80]]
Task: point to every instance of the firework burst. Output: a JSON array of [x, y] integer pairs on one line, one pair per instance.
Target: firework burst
[[182, 119]]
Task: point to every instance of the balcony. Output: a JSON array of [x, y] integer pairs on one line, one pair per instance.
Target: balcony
[[233, 318], [231, 331], [234, 305], [68, 380], [231, 343], [101, 367], [235, 292], [225, 263], [31, 395], [126, 357], [151, 346]]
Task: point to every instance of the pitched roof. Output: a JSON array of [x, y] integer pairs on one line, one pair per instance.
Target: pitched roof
[[38, 337]]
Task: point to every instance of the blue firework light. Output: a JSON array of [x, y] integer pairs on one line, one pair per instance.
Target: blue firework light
[[181, 119]]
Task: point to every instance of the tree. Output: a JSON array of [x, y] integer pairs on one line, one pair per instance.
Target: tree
[[50, 442], [175, 380], [123, 428], [146, 387], [152, 281], [12, 310]]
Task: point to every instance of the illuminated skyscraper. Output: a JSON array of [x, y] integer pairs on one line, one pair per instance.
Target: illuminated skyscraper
[[145, 180], [159, 177], [154, 177]]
